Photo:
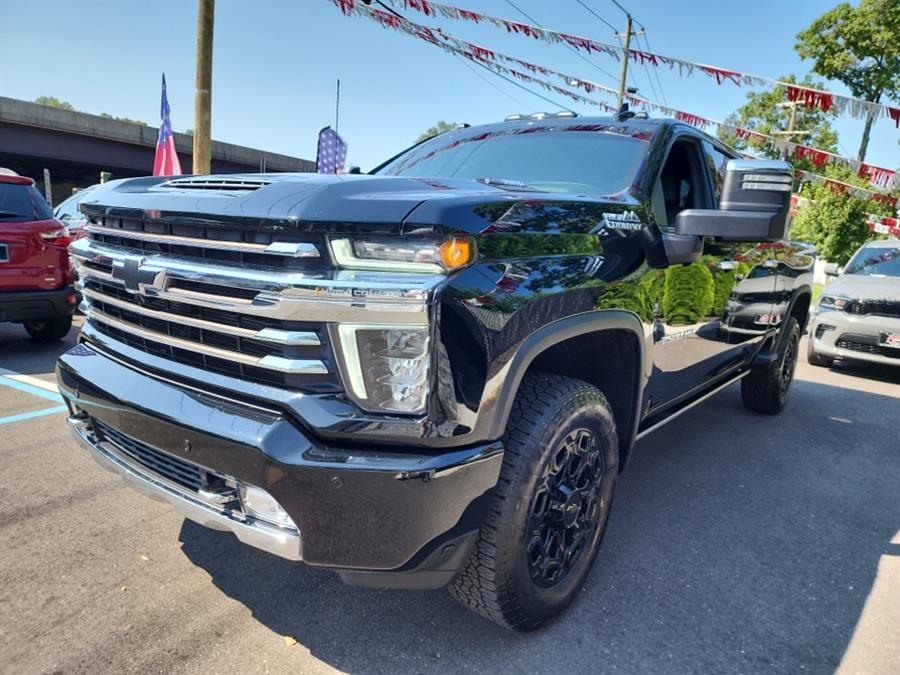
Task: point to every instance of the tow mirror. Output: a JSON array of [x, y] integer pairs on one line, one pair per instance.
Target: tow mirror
[[754, 207], [832, 270]]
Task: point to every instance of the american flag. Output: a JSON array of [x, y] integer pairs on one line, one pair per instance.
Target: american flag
[[166, 162], [332, 152]]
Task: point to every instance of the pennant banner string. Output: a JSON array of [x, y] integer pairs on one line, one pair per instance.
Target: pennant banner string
[[808, 96], [845, 188], [487, 57]]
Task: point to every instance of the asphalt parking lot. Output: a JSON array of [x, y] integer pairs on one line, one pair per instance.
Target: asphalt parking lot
[[738, 544]]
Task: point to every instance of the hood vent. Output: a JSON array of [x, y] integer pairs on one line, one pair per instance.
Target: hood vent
[[215, 183]]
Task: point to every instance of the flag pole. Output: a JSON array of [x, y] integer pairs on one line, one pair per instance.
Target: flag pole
[[337, 105]]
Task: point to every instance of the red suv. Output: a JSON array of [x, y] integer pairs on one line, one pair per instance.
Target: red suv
[[35, 272]]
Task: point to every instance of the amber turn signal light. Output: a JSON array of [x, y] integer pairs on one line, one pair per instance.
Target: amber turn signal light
[[455, 253]]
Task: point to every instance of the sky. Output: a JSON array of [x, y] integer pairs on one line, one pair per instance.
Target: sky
[[275, 65]]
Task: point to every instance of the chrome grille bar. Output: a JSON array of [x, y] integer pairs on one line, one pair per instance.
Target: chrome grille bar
[[295, 249], [270, 362], [273, 335]]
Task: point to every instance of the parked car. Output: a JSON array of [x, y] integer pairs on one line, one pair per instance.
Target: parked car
[[432, 375], [858, 314], [35, 272], [67, 212]]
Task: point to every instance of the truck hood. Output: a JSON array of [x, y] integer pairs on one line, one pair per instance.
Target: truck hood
[[862, 287], [385, 204]]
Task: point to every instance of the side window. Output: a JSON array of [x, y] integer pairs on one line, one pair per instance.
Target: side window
[[716, 161], [680, 184]]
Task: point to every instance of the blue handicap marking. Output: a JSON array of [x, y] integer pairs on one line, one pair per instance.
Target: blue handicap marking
[[33, 413], [32, 390]]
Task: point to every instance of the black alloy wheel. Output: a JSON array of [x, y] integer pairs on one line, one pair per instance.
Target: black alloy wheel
[[550, 505], [564, 510], [788, 366], [766, 387]]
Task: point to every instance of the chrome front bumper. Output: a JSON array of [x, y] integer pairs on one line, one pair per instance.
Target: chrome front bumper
[[278, 541]]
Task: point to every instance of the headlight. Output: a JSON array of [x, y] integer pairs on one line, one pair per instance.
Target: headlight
[[398, 254], [833, 302], [386, 366]]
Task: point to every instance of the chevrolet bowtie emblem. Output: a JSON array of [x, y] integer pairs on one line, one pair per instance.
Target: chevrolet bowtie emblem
[[135, 277]]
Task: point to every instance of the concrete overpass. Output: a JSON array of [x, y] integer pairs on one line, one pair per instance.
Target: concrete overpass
[[76, 147]]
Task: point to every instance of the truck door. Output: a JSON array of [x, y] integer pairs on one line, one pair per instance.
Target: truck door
[[710, 313]]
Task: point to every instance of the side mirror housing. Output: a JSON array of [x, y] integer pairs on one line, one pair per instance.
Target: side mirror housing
[[832, 270], [353, 170], [755, 203]]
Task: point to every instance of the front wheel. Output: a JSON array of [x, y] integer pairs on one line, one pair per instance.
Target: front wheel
[[45, 330], [767, 387], [550, 505]]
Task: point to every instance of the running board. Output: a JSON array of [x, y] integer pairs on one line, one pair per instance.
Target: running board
[[712, 392]]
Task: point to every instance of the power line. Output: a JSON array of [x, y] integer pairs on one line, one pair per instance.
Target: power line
[[655, 70], [619, 5], [493, 72], [653, 88], [468, 65], [614, 29], [657, 93], [523, 87], [570, 47]]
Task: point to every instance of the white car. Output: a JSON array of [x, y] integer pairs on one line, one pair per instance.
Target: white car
[[858, 314], [68, 212]]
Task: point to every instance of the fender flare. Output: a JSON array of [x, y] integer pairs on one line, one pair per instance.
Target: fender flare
[[769, 354], [797, 292], [510, 376]]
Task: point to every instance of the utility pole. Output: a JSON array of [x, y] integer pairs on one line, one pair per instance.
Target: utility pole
[[337, 106], [624, 70], [203, 86], [790, 130]]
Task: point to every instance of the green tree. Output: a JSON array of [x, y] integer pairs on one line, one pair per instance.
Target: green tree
[[54, 102], [762, 113], [438, 128], [859, 46], [123, 119], [835, 223]]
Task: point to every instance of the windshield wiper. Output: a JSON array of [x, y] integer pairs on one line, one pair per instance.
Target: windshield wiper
[[9, 214]]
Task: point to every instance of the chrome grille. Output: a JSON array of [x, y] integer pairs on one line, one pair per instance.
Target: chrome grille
[[260, 349], [254, 303]]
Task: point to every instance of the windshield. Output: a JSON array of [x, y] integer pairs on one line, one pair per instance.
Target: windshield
[[566, 159], [876, 261], [68, 210]]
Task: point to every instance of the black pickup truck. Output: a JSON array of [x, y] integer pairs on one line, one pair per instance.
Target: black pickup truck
[[432, 375]]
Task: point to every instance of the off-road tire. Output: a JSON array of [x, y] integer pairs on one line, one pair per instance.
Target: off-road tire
[[767, 388], [548, 413], [47, 330], [814, 359]]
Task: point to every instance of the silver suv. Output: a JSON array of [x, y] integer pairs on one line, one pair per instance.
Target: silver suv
[[858, 314]]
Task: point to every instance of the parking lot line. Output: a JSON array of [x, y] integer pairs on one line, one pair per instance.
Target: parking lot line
[[33, 413], [28, 379], [6, 379]]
